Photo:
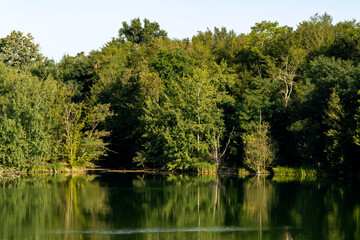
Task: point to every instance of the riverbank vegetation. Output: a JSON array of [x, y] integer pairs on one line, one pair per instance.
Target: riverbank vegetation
[[276, 96]]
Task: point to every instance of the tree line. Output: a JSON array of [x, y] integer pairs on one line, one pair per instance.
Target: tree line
[[275, 96]]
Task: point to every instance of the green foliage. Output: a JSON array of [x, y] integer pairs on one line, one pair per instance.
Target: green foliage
[[258, 148], [124, 82], [79, 73], [19, 50], [291, 171], [205, 167], [286, 73], [172, 66], [266, 38], [182, 104], [320, 112], [136, 33], [243, 171], [183, 127], [44, 69], [73, 128], [356, 136], [316, 35], [346, 44], [28, 123], [333, 118], [34, 115], [82, 142]]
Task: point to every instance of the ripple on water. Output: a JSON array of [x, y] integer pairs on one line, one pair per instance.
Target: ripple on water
[[154, 230]]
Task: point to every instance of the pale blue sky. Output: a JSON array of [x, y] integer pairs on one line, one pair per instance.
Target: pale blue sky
[[71, 26]]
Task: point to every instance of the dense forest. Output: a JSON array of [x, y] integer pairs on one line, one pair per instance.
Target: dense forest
[[277, 96]]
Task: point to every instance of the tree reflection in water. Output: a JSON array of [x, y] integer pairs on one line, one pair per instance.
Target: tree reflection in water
[[211, 207], [34, 206], [258, 198]]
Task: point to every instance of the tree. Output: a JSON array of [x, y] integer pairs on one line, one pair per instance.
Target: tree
[[333, 117], [125, 80], [356, 135], [269, 40], [19, 50], [29, 123], [258, 148], [136, 33], [258, 97], [44, 69], [78, 72], [347, 42], [316, 35], [308, 118], [220, 45], [287, 72], [40, 125], [183, 127], [82, 141]]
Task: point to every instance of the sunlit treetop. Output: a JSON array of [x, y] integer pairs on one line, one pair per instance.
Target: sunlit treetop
[[138, 33], [17, 49]]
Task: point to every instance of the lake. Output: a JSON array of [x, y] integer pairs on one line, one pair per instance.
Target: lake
[[104, 205]]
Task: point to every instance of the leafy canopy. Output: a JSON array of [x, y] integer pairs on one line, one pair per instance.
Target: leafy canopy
[[19, 50], [137, 33]]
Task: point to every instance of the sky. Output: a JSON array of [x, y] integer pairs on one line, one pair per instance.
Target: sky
[[72, 26]]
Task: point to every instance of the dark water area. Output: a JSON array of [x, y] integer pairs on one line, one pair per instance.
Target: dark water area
[[145, 206]]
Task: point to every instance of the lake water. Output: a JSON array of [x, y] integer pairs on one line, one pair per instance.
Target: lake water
[[145, 206]]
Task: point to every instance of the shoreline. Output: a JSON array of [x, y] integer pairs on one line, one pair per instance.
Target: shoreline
[[292, 172]]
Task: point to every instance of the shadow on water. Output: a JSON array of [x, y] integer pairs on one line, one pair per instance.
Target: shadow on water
[[146, 206]]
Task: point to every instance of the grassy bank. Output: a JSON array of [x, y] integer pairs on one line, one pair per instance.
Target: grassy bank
[[295, 171], [48, 168], [283, 171]]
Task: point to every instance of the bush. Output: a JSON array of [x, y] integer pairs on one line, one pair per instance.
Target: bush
[[258, 147]]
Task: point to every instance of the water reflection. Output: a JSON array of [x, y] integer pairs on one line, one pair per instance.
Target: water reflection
[[259, 195], [133, 206], [32, 206]]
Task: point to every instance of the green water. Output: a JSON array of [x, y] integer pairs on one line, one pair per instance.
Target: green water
[[143, 206]]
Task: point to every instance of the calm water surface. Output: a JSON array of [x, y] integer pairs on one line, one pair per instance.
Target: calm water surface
[[143, 206]]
